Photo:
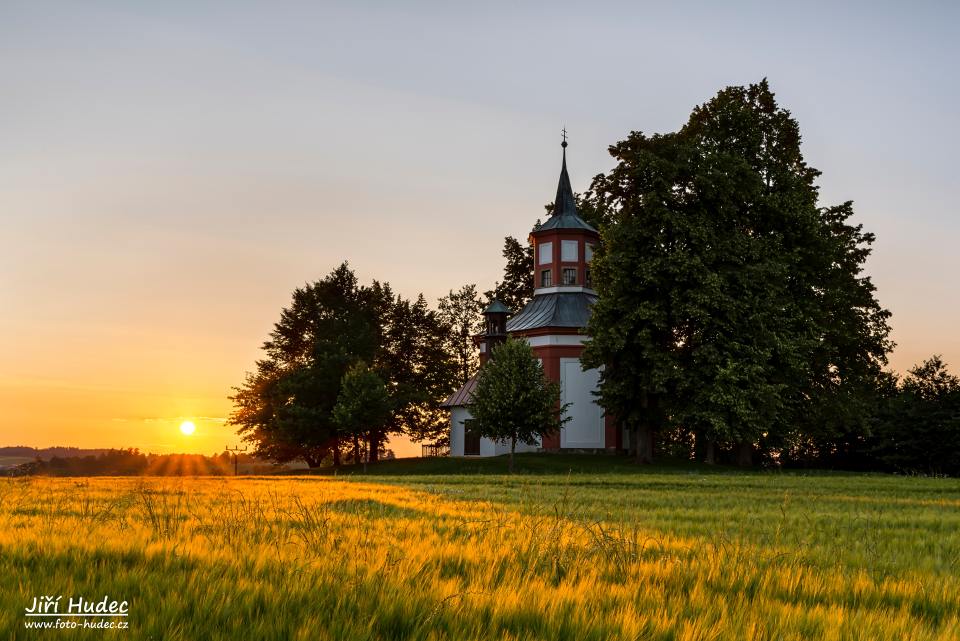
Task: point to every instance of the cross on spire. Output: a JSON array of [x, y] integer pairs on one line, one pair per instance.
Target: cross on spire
[[564, 133]]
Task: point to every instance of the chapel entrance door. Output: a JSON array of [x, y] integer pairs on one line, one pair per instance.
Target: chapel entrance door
[[471, 438]]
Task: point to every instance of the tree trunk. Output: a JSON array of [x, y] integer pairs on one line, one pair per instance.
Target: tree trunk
[[710, 455], [744, 453], [644, 444], [336, 452], [699, 446], [513, 447], [374, 453], [636, 447], [644, 432], [356, 449]]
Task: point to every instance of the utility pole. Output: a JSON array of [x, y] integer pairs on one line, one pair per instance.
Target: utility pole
[[236, 451]]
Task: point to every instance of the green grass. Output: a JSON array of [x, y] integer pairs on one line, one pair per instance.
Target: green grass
[[526, 464], [572, 547]]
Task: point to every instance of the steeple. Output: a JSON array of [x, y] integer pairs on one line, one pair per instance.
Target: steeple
[[564, 202], [564, 214]]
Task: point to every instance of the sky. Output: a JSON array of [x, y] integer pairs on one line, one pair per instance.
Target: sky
[[171, 171]]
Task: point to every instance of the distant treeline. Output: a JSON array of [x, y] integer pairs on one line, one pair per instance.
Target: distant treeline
[[48, 452], [133, 462]]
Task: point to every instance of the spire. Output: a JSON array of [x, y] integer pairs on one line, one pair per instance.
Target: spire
[[564, 214], [564, 204]]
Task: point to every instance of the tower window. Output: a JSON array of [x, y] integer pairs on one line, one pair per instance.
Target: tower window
[[587, 279], [569, 251], [545, 253], [588, 252], [546, 278], [569, 276]]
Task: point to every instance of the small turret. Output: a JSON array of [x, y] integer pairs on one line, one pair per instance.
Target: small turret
[[495, 331]]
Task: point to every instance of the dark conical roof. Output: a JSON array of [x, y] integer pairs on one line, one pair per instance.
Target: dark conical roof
[[496, 307], [564, 214]]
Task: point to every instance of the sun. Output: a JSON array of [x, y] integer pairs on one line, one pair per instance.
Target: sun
[[187, 427]]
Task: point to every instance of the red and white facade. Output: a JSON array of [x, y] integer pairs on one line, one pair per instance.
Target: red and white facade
[[553, 323]]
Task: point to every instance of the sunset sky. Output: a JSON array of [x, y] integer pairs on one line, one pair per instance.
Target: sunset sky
[[171, 171]]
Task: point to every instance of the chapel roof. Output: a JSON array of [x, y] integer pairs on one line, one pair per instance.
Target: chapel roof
[[560, 309], [463, 396]]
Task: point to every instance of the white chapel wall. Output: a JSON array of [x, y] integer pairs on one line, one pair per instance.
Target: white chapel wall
[[585, 428], [457, 416]]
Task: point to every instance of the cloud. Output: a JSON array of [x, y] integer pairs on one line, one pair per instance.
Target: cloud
[[170, 419]]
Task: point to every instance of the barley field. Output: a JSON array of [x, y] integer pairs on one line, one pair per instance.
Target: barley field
[[583, 554]]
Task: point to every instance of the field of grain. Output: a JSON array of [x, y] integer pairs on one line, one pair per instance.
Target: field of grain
[[663, 554]]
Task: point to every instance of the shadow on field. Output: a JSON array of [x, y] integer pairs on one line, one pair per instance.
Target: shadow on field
[[368, 508], [529, 463]]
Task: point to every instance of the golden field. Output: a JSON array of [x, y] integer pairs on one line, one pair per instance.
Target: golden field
[[658, 554]]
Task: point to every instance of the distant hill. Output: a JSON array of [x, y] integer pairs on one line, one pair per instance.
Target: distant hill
[[47, 453], [11, 457]]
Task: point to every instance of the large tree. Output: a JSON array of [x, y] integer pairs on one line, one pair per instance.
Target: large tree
[[514, 401], [634, 324], [731, 304], [285, 407]]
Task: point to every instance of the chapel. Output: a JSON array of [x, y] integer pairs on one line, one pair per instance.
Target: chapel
[[553, 323]]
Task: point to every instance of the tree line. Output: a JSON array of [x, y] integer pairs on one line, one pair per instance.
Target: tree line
[[734, 323]]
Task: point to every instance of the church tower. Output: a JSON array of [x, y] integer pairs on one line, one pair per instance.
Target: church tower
[[554, 324], [555, 319]]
